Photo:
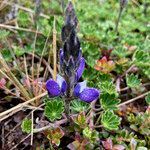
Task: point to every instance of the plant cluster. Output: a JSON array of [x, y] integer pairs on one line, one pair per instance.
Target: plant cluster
[[82, 91]]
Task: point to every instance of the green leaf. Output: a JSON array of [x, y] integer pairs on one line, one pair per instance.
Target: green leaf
[[147, 99], [80, 120], [79, 106], [108, 87], [133, 81], [140, 56], [110, 121], [23, 18], [54, 109], [18, 51], [109, 101], [140, 122], [26, 125], [90, 134], [4, 34]]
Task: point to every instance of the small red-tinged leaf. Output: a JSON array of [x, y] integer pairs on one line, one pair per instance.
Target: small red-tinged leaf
[[54, 135], [81, 120], [104, 65], [106, 53], [122, 61], [78, 145], [27, 83], [74, 145], [2, 83], [108, 144], [118, 147]]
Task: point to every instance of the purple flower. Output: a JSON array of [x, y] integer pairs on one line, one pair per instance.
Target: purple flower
[[56, 88], [71, 64], [85, 93], [59, 87]]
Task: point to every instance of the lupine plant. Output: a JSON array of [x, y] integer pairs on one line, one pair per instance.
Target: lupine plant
[[72, 65]]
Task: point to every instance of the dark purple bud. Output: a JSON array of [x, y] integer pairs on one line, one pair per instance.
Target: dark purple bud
[[71, 54]]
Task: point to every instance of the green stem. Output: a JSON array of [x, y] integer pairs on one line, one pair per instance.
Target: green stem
[[118, 20]]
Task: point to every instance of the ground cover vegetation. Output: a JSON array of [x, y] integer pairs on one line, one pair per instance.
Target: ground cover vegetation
[[75, 75]]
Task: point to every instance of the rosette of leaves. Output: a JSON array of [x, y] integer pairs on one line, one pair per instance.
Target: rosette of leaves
[[108, 144], [124, 137], [24, 19], [4, 34], [54, 109], [142, 60], [110, 121], [109, 101], [54, 135], [140, 123], [80, 122], [26, 125], [91, 135], [133, 81], [104, 65], [79, 106], [80, 145]]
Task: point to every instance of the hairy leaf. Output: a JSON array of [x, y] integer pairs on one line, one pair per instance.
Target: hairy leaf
[[26, 125], [110, 121], [133, 81], [109, 101], [54, 109], [79, 106]]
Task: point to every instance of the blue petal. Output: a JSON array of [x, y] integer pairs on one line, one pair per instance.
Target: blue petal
[[53, 88], [81, 68], [89, 94], [79, 88], [62, 83]]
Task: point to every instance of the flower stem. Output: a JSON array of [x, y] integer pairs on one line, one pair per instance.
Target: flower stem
[[67, 108]]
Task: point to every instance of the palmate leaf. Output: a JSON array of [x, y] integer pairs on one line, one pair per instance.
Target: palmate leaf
[[140, 57], [108, 87], [91, 135], [80, 120], [133, 81], [23, 18], [4, 34], [54, 135], [54, 109], [109, 101], [146, 71], [79, 106], [7, 55], [140, 123], [110, 121], [26, 125]]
